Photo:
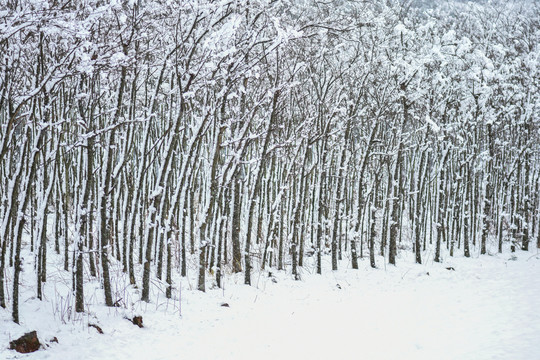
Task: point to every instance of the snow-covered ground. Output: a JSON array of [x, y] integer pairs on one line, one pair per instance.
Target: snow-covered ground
[[486, 308]]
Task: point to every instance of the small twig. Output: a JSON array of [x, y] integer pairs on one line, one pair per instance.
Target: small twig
[[532, 257], [96, 327]]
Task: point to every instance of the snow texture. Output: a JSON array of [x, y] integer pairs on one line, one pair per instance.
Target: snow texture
[[483, 308]]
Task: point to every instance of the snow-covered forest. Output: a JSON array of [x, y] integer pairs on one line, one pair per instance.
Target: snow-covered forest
[[146, 142]]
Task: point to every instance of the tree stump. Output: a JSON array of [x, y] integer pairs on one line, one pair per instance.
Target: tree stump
[[27, 343], [137, 320]]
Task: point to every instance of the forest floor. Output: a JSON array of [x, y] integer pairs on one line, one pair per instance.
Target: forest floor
[[485, 307]]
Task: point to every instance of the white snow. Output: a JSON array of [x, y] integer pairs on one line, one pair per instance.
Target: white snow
[[487, 308], [434, 127]]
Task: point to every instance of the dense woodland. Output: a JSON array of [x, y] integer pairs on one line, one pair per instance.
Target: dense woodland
[[232, 136]]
